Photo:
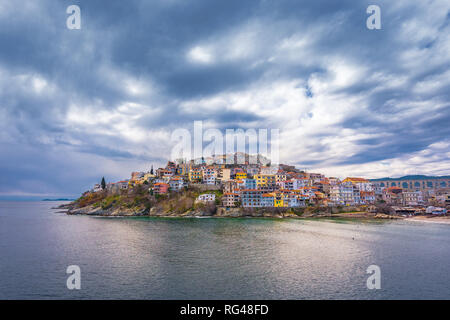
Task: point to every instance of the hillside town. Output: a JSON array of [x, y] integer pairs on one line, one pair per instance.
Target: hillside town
[[255, 184]]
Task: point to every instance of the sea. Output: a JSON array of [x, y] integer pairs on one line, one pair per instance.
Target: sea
[[217, 258]]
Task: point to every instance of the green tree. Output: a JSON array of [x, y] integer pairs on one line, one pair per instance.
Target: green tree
[[103, 183], [151, 170]]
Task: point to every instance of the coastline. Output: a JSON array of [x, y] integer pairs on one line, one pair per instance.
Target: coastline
[[221, 212], [261, 214], [430, 219]]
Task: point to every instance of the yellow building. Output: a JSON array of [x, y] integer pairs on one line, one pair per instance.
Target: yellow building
[[195, 175], [355, 180], [240, 175], [264, 179], [281, 200]]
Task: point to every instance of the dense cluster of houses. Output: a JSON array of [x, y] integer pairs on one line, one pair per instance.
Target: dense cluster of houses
[[257, 185]]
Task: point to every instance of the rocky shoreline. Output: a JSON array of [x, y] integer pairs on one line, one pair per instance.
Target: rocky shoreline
[[220, 212]]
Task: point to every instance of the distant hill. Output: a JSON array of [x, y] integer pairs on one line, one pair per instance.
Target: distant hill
[[413, 177]]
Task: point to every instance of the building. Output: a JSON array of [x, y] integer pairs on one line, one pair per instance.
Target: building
[[249, 184], [160, 188], [367, 197], [267, 200], [251, 198], [195, 175], [161, 172], [225, 174], [412, 198], [230, 199], [207, 197], [266, 181], [230, 186], [393, 195], [240, 175], [361, 183], [209, 179], [345, 194], [176, 184], [279, 200], [136, 176], [436, 210], [123, 185], [210, 171]]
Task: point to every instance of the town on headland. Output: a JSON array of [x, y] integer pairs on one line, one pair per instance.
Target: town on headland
[[249, 186]]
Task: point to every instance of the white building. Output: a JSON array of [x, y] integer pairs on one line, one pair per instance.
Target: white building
[[207, 197], [176, 184], [209, 179], [97, 188], [345, 194]]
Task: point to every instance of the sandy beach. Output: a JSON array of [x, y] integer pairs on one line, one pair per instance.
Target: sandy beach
[[431, 219]]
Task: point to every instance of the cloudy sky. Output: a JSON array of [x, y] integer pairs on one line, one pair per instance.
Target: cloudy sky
[[76, 105]]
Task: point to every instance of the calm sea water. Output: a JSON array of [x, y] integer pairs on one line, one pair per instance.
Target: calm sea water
[[164, 258]]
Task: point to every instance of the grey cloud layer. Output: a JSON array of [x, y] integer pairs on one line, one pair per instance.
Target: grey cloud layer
[[109, 94]]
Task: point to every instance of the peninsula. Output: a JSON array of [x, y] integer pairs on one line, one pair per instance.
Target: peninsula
[[242, 185]]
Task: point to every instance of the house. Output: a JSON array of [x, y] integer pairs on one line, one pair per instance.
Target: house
[[278, 201], [176, 184], [97, 188], [393, 195], [224, 174], [209, 179], [160, 188], [367, 197], [436, 210], [295, 200], [123, 185], [210, 171], [206, 197], [361, 183], [252, 170], [161, 172], [251, 198], [230, 199], [136, 176], [266, 180], [412, 198], [267, 199], [249, 184], [280, 177], [240, 175], [195, 175], [345, 193], [230, 186]]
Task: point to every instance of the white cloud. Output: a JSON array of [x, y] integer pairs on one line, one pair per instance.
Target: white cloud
[[200, 55]]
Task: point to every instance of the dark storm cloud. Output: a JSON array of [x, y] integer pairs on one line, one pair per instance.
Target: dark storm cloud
[[116, 87]]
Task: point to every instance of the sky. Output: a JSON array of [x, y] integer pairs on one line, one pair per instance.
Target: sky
[[76, 105]]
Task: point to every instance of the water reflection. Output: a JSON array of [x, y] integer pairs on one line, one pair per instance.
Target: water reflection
[[154, 258]]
